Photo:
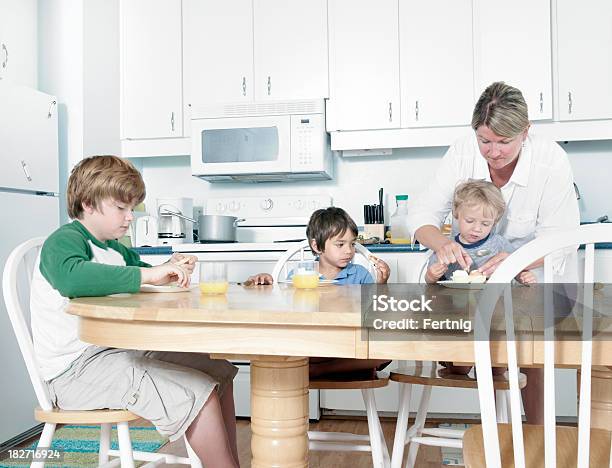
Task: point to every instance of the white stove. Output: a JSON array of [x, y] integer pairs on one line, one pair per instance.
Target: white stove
[[268, 226]]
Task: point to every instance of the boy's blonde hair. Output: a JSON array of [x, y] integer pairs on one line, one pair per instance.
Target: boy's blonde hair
[[479, 193], [327, 223], [101, 177]]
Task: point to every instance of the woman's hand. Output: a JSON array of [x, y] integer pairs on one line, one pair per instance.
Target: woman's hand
[[451, 252], [188, 262], [491, 265], [435, 272], [526, 277], [164, 274], [260, 278], [382, 270]]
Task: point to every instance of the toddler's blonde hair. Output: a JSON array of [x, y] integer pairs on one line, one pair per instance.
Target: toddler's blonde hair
[[479, 193]]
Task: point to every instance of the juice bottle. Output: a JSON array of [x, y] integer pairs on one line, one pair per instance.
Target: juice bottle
[[399, 221]]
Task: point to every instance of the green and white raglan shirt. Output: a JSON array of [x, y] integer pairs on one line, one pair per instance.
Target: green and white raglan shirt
[[73, 263]]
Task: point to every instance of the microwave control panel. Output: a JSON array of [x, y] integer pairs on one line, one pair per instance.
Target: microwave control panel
[[308, 141]]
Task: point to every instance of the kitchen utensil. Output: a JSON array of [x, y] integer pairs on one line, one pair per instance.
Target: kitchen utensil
[[217, 228], [381, 211], [146, 232]]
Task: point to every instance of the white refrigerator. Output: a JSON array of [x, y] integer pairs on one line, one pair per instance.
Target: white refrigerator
[[29, 202]]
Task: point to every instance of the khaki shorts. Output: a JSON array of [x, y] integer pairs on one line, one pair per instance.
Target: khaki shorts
[[168, 389]]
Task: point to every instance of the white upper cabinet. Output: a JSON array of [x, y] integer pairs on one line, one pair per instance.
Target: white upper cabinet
[[151, 69], [364, 88], [290, 49], [515, 48], [584, 57], [28, 132], [436, 62], [218, 51], [245, 50], [18, 42]]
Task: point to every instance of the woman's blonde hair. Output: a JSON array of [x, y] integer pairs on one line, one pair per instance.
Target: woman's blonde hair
[[479, 193], [501, 108], [101, 177]]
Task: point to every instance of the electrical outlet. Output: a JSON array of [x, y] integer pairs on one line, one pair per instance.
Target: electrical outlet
[[197, 212]]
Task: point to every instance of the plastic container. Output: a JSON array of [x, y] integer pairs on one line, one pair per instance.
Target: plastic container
[[399, 221]]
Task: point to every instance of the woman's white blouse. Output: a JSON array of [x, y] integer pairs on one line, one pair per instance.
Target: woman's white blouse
[[539, 196]]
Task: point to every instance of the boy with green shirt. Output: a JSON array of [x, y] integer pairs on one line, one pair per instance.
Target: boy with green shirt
[[181, 393]]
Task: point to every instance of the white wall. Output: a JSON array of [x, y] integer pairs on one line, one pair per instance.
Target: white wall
[[357, 180]]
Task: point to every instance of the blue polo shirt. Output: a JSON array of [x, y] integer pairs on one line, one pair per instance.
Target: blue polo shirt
[[350, 274]]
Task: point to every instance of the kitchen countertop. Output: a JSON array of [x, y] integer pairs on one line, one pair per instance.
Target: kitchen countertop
[[168, 249]]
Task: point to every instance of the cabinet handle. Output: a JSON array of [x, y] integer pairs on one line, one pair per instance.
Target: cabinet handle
[[24, 166], [390, 112], [49, 114], [244, 85], [541, 102], [269, 86], [416, 111], [5, 50], [569, 102], [172, 120]]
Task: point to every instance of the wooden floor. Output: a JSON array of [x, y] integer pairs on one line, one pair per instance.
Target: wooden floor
[[429, 457]]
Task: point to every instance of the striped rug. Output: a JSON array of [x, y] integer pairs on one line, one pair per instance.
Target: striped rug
[[80, 445]]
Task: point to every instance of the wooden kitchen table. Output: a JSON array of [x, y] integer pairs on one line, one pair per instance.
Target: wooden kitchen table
[[278, 328]]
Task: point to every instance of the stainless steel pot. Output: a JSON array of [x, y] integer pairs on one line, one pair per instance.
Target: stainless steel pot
[[217, 228]]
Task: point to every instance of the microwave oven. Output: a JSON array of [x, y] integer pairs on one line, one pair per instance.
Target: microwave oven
[[261, 142]]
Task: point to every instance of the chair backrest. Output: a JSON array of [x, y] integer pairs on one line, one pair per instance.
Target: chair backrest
[[298, 251], [547, 246], [16, 280]]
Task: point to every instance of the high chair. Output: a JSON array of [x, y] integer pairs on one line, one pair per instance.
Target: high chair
[[340, 441], [16, 281], [524, 445]]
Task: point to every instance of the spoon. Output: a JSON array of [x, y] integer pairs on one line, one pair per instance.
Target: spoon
[[479, 253], [482, 252]]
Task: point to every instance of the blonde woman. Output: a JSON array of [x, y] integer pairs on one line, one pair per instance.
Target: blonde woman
[[536, 181]]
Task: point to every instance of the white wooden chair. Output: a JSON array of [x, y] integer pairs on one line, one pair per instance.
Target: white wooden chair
[[342, 441], [429, 374], [496, 445], [16, 281], [361, 257]]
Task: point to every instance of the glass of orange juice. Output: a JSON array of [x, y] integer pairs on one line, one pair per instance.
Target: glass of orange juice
[[306, 275], [213, 278]]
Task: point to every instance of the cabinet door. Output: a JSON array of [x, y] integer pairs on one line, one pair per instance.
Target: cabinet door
[[584, 40], [218, 51], [18, 47], [515, 48], [363, 65], [436, 50], [290, 44], [151, 83], [28, 132]]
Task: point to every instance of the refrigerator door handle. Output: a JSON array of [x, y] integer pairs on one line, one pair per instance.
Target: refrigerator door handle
[[26, 171]]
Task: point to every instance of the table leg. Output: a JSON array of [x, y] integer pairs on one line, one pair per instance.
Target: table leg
[[279, 412]]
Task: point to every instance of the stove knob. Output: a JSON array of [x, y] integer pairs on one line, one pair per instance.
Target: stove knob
[[220, 207], [314, 205], [267, 204], [299, 205], [234, 206]]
